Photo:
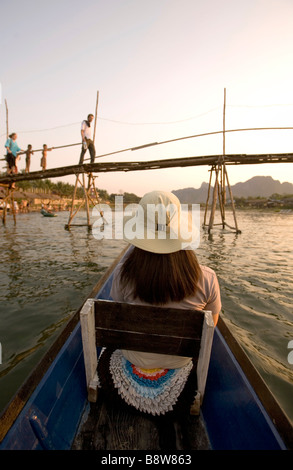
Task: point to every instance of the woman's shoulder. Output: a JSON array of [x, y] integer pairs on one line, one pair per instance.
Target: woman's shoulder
[[209, 277], [207, 272]]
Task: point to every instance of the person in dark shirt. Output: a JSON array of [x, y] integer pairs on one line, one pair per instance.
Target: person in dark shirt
[[87, 139]]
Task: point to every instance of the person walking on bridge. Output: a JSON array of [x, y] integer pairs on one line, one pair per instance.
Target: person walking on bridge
[[87, 139], [13, 151]]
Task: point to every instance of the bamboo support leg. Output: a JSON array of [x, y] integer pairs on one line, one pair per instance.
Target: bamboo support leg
[[213, 209], [90, 181], [86, 201], [96, 193], [96, 116], [208, 197], [90, 192], [222, 197], [4, 214], [12, 205], [232, 202], [71, 215], [9, 199], [221, 204]]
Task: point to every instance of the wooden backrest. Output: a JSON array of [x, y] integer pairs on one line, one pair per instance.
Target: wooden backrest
[[160, 330], [147, 328]]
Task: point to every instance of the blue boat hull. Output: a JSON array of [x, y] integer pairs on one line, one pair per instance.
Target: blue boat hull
[[233, 415]]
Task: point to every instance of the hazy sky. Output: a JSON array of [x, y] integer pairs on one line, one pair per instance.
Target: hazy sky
[[161, 67]]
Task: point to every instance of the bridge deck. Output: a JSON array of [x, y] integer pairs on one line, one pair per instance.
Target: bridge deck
[[246, 159]]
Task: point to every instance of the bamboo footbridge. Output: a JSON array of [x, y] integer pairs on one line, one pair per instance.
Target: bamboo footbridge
[[218, 164], [106, 167]]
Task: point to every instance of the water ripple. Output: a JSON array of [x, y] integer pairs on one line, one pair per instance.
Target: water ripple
[[46, 272]]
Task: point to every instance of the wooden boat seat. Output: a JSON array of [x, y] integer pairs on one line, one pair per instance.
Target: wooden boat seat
[[135, 327]]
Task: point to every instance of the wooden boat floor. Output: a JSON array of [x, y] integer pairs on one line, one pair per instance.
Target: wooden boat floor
[[108, 427]]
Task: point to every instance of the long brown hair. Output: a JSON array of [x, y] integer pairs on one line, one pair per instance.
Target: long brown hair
[[160, 278]]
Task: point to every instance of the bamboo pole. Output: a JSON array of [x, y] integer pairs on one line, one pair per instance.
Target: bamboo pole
[[208, 196], [92, 188], [86, 202], [4, 214], [82, 183], [12, 204], [232, 203], [94, 135], [177, 140], [223, 186], [95, 190], [221, 205], [7, 130], [76, 211], [96, 116], [224, 123], [9, 199], [72, 203], [4, 211], [7, 127], [213, 209]]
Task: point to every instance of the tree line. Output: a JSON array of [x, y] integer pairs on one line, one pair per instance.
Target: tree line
[[66, 190]]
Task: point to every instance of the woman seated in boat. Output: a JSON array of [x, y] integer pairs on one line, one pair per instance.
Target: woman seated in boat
[[158, 270]]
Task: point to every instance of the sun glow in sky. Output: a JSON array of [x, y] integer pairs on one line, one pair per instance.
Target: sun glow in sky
[[160, 67]]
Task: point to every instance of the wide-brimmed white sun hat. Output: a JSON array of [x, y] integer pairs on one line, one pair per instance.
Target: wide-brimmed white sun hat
[[159, 225]]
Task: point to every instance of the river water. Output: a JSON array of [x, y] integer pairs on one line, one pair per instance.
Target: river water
[[46, 272]]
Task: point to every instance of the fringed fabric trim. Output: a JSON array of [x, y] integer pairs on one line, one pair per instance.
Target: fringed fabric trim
[[152, 391]]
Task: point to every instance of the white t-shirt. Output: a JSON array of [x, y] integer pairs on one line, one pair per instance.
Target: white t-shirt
[[88, 133], [207, 297]]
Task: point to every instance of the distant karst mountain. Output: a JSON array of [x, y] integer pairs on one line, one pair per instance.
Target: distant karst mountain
[[263, 186]]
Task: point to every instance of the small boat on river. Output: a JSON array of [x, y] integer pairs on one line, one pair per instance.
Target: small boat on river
[[51, 410], [47, 213]]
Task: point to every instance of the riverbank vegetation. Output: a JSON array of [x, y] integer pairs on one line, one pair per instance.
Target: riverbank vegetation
[[275, 201], [65, 190]]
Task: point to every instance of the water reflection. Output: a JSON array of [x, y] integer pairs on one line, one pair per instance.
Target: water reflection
[[11, 263], [255, 271]]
